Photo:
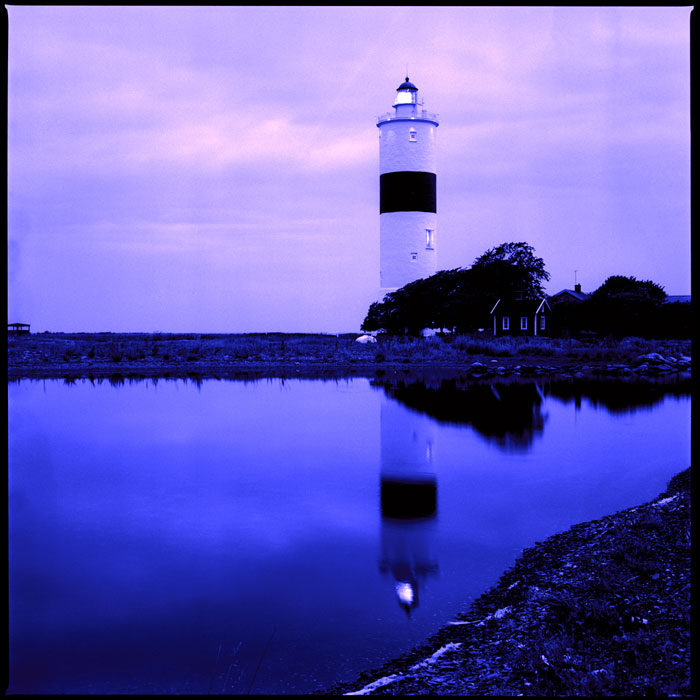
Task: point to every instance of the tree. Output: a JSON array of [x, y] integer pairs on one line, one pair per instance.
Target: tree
[[630, 288], [624, 306], [520, 256], [414, 306], [461, 298], [673, 320]]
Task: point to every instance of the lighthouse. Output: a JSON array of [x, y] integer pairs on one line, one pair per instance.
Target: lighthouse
[[407, 252], [407, 190]]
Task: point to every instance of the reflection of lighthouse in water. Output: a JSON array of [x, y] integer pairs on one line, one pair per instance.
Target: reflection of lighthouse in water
[[408, 500]]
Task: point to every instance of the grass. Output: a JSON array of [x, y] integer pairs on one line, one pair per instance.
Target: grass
[[320, 348], [606, 349]]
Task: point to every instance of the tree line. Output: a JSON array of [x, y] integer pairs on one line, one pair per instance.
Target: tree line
[[461, 299]]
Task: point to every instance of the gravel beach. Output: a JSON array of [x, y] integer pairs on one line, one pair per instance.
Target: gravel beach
[[600, 609]]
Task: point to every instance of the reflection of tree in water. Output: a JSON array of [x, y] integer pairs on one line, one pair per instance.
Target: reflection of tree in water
[[508, 413], [619, 395]]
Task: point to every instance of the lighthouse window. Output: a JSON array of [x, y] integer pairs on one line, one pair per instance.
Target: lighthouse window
[[414, 256], [411, 134], [429, 238]]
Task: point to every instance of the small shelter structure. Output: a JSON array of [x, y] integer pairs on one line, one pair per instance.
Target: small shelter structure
[[18, 328], [521, 317]]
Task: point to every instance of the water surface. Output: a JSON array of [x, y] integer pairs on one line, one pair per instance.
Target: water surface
[[280, 535]]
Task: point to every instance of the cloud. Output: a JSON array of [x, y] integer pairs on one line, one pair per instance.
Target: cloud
[[126, 108], [275, 142], [194, 141]]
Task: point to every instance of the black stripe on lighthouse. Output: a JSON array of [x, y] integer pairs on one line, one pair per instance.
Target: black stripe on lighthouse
[[407, 191], [407, 500]]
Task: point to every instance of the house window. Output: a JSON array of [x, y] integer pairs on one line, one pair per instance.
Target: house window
[[412, 135], [414, 256], [542, 322], [506, 323], [523, 323], [429, 239]]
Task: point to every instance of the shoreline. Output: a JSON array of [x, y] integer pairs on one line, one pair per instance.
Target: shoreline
[[251, 356], [602, 608]]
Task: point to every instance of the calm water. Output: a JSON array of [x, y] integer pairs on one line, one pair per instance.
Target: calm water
[[277, 536]]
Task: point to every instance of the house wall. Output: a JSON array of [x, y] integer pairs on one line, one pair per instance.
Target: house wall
[[514, 326]]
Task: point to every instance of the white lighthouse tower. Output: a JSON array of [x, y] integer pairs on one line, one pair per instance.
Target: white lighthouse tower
[[407, 190]]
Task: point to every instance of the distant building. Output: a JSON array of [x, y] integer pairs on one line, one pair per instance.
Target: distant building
[[570, 295], [521, 317], [678, 299], [18, 328]]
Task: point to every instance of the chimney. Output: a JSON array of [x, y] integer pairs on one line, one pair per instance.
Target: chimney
[[577, 288]]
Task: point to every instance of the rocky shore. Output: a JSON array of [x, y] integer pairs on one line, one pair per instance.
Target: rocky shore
[[601, 609]]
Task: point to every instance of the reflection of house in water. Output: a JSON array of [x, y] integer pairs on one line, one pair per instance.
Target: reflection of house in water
[[508, 413], [408, 501]]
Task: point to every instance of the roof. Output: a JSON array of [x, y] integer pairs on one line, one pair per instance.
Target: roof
[[543, 303], [515, 306], [407, 85], [579, 296]]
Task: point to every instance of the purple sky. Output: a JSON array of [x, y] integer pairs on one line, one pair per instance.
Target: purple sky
[[216, 169]]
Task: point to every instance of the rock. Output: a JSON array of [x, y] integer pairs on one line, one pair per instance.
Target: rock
[[652, 357], [502, 612], [366, 339]]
